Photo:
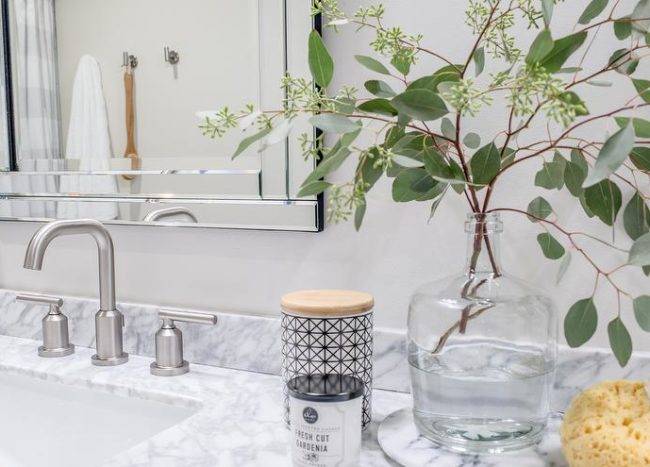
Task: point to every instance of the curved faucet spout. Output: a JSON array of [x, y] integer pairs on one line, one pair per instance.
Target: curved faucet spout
[[42, 238], [171, 212]]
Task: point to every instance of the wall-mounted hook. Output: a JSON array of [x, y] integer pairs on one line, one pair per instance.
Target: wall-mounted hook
[[128, 60], [171, 56]]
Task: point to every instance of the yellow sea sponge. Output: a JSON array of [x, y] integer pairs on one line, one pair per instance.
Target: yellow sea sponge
[[608, 425]]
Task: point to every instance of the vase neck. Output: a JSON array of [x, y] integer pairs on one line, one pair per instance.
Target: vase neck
[[483, 244]]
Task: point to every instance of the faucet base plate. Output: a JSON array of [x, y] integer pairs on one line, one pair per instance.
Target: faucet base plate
[[113, 361], [169, 370], [55, 353]]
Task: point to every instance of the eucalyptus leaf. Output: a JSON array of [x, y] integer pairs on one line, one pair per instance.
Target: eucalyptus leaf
[[372, 64], [415, 184], [378, 106], [448, 128], [641, 126], [402, 64], [636, 217], [623, 28], [485, 164], [420, 104], [562, 49], [564, 267], [370, 173], [313, 188], [333, 161], [334, 123], [623, 62], [600, 84], [604, 200], [574, 177], [436, 203], [614, 152], [640, 16], [640, 251], [472, 140], [547, 11], [277, 134], [449, 73], [359, 214], [620, 341], [479, 60], [594, 9], [380, 89], [551, 248], [642, 86], [642, 312], [641, 158], [540, 48], [580, 322], [539, 208], [320, 61], [249, 141], [551, 176]]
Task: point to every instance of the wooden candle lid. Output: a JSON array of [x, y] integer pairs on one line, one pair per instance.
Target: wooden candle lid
[[327, 303]]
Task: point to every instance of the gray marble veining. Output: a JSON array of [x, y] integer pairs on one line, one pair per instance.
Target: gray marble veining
[[238, 419], [252, 343]]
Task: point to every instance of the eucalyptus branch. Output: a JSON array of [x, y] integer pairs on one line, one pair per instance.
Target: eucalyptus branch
[[569, 235]]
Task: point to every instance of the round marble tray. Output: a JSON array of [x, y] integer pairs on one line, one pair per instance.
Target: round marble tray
[[400, 440]]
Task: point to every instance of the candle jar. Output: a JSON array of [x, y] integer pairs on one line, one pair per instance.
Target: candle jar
[[328, 332], [325, 413]]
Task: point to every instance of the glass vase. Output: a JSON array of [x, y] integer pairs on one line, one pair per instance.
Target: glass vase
[[482, 350]]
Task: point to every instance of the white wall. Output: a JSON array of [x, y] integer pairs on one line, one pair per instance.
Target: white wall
[[395, 252]]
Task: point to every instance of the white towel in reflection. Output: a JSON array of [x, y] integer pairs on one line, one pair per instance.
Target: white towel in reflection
[[89, 142]]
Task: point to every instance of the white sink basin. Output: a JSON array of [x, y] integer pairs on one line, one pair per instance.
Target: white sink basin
[[49, 424]]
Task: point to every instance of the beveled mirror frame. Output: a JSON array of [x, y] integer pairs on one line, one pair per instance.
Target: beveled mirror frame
[[277, 207]]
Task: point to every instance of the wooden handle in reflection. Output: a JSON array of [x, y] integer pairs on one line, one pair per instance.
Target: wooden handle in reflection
[[131, 151]]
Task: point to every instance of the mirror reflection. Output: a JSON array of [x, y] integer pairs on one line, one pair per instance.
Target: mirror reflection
[[107, 98]]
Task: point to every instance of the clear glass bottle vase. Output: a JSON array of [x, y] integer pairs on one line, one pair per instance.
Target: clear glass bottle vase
[[482, 352]]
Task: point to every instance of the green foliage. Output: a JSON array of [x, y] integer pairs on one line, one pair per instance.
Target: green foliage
[[640, 251], [542, 113], [615, 151], [320, 61], [562, 49], [378, 106], [420, 104], [620, 341], [485, 164], [539, 208], [642, 312], [636, 217], [334, 123], [581, 322], [604, 199], [594, 9], [641, 126], [551, 248], [551, 176], [372, 64], [379, 89]]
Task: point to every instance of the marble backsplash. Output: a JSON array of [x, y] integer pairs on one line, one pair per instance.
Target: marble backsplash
[[252, 343]]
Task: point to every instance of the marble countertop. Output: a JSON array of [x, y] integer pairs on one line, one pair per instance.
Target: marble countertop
[[238, 422]]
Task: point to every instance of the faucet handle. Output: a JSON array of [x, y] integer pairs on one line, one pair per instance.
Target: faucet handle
[[40, 298], [56, 340], [169, 341]]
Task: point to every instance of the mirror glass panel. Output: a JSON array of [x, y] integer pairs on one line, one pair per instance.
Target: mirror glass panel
[[105, 100]]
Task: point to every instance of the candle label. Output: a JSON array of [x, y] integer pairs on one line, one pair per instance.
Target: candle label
[[325, 434]]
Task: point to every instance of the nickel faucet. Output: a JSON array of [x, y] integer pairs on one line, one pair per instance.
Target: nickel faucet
[[108, 320]]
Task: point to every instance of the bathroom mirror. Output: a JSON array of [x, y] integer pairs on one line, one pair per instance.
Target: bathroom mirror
[[104, 99]]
